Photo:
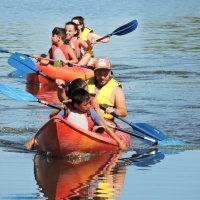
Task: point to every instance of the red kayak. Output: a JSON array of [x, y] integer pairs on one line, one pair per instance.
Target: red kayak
[[65, 73], [61, 138]]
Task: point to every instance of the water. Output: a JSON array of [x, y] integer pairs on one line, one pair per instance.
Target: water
[[158, 65]]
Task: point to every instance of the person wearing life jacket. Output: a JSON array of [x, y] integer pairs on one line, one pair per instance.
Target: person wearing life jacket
[[59, 51], [108, 91], [64, 94], [78, 44], [80, 113], [87, 34]]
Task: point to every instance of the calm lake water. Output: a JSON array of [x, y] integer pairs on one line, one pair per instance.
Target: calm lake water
[[158, 65]]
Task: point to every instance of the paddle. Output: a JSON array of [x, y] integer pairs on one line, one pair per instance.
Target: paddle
[[122, 30], [144, 128], [52, 60], [25, 64], [150, 141], [23, 96], [6, 51]]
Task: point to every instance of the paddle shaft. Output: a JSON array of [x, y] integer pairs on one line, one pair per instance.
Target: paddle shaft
[[143, 128], [134, 134], [6, 51], [52, 60], [103, 37], [69, 64], [48, 77], [30, 56], [122, 30], [50, 104], [103, 107]]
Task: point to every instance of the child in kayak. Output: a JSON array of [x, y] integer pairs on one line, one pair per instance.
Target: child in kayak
[[79, 45], [88, 35], [64, 94], [80, 113], [59, 51]]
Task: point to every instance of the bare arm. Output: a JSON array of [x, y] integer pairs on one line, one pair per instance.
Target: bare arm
[[85, 59], [120, 102], [85, 45], [61, 96], [97, 109], [118, 99], [43, 62], [61, 91], [112, 134], [92, 37], [54, 113]]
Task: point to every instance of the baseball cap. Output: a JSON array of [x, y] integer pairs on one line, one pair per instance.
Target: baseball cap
[[102, 63]]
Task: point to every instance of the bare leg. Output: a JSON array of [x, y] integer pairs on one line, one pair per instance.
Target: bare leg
[[85, 59], [91, 61]]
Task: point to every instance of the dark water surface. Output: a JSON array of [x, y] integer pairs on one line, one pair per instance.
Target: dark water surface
[[158, 65]]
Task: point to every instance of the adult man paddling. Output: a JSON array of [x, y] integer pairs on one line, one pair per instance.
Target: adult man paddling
[[107, 90]]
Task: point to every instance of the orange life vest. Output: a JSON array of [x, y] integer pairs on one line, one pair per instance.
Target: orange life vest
[[82, 120], [62, 48], [75, 46]]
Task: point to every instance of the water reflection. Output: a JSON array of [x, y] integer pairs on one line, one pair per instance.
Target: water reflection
[[78, 177], [43, 92], [17, 74], [145, 158], [98, 177]]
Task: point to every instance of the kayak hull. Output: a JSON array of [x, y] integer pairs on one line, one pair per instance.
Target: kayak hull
[[61, 138], [65, 73]]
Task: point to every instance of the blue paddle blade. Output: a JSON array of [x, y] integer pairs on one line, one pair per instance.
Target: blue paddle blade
[[171, 142], [16, 94], [22, 63], [164, 142], [148, 130], [127, 28]]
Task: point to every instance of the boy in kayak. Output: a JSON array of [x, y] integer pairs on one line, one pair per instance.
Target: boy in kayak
[[80, 113], [59, 51], [64, 94]]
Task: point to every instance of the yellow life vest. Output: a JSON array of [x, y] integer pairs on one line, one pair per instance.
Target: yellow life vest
[[83, 36], [104, 95]]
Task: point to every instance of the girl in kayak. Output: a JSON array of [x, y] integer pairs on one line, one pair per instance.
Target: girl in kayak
[[78, 44], [87, 34]]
